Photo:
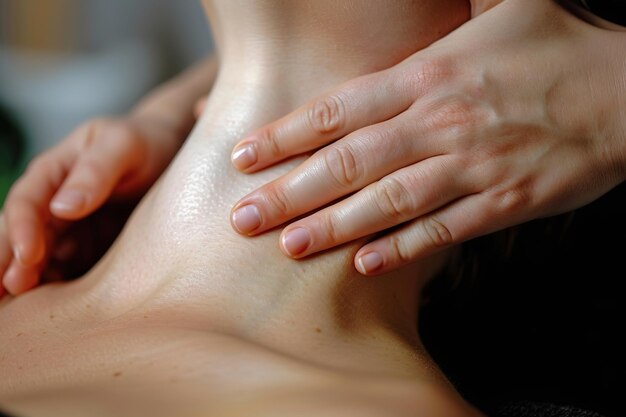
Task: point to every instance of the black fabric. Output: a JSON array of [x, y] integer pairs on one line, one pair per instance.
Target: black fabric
[[611, 10], [529, 409], [544, 324]]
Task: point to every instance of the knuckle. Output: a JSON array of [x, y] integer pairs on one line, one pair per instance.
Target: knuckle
[[87, 133], [271, 143], [341, 164], [482, 154], [393, 200], [511, 201], [89, 171], [426, 73], [456, 114], [277, 198], [112, 132], [399, 250], [331, 228], [122, 136], [437, 233], [491, 152], [41, 163], [327, 114]]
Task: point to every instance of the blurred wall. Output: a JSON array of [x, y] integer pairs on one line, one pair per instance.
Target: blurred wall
[[65, 61]]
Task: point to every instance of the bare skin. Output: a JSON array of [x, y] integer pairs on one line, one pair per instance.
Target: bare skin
[[184, 315]]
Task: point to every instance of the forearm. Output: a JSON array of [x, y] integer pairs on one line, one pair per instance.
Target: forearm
[[173, 102]]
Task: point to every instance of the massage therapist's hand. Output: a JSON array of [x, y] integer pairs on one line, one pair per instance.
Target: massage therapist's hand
[[518, 114], [103, 160]]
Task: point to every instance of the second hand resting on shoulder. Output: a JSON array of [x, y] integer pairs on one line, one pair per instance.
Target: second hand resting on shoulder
[[57, 216]]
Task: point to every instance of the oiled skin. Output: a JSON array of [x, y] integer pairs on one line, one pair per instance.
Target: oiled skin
[[185, 316]]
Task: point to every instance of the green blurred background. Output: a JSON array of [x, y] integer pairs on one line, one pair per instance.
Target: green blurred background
[[13, 147], [63, 62]]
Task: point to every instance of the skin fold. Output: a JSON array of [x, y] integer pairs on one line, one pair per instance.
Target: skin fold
[[183, 316]]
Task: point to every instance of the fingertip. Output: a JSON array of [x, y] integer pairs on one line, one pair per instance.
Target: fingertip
[[369, 263], [18, 280], [244, 155], [296, 242], [68, 203], [29, 248], [246, 220]]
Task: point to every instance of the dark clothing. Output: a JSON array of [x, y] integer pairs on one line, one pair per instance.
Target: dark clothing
[[528, 409], [611, 10], [540, 319]]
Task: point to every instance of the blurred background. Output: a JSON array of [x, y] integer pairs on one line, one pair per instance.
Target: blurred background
[[65, 61]]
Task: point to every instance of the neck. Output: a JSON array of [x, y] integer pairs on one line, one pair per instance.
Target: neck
[[316, 308], [325, 36]]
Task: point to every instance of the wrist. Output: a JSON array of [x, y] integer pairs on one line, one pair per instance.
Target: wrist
[[172, 103], [158, 109], [163, 135]]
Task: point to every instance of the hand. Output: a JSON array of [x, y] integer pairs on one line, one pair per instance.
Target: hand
[[104, 159], [518, 114]]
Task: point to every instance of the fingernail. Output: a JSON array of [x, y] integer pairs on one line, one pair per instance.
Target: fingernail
[[370, 262], [296, 241], [244, 157], [68, 200], [246, 219], [18, 253], [27, 252], [11, 279], [18, 280]]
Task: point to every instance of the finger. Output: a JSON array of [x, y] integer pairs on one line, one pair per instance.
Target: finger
[[470, 217], [115, 153], [19, 279], [397, 198], [352, 163], [26, 207], [358, 103], [6, 254]]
